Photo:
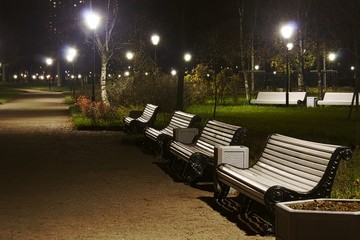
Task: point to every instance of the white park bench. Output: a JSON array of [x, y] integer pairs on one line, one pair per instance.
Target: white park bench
[[336, 99], [279, 98]]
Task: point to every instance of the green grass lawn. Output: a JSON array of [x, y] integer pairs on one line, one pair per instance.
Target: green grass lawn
[[7, 94]]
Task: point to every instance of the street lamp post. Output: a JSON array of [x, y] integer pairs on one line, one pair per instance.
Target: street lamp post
[[287, 31], [180, 88], [331, 57], [155, 39], [71, 53], [130, 56], [49, 62], [187, 58], [92, 21]]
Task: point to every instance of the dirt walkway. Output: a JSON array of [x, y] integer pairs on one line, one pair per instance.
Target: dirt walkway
[[57, 183]]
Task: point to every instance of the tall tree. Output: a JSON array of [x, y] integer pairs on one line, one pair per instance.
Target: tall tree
[[103, 42], [247, 26]]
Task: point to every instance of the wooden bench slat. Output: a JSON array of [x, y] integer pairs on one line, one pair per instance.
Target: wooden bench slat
[[289, 160], [263, 179], [295, 183], [311, 156], [307, 144], [295, 174]]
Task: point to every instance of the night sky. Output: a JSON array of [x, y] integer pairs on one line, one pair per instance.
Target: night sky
[[23, 29], [23, 23]]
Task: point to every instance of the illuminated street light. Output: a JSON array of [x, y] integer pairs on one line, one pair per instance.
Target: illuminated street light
[[155, 39], [289, 46], [286, 32], [129, 55], [70, 57], [187, 57], [173, 72], [92, 21], [71, 53], [332, 56], [49, 62]]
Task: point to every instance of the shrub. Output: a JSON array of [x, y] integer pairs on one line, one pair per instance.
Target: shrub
[[98, 111]]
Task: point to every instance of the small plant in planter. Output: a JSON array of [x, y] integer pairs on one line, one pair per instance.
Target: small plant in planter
[[327, 205], [316, 219]]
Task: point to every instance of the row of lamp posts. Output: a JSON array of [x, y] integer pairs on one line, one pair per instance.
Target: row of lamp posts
[[92, 21]]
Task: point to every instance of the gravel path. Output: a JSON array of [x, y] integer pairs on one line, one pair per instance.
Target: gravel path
[[58, 183]]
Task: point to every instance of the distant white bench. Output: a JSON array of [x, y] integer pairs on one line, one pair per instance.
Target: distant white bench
[[279, 98], [336, 98]]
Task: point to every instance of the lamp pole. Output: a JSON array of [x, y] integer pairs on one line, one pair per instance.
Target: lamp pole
[[92, 21], [155, 39], [130, 56], [71, 53], [180, 88], [93, 76], [49, 62], [187, 58], [287, 31]]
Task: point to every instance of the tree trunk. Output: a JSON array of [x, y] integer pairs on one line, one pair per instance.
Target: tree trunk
[[242, 51], [252, 67], [104, 96]]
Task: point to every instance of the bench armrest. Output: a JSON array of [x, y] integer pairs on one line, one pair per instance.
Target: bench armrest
[[185, 135], [237, 156], [135, 113]]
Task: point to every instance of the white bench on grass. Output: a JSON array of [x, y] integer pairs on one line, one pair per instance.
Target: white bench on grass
[[336, 99], [278, 98]]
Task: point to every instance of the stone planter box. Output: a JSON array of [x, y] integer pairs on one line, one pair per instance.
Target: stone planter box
[[292, 224]]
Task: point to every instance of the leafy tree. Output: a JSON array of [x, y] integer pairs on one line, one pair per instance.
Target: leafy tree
[[103, 41]]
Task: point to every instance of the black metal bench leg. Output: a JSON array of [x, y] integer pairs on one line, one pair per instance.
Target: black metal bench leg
[[256, 223], [222, 200]]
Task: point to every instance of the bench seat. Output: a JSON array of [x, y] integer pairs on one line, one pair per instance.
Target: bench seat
[[278, 98], [198, 157]]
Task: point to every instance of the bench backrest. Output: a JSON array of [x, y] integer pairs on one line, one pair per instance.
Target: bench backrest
[[270, 95], [149, 114], [308, 166], [180, 120], [337, 96], [217, 133], [293, 96]]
